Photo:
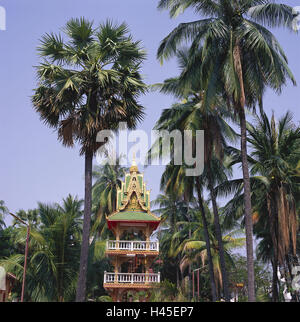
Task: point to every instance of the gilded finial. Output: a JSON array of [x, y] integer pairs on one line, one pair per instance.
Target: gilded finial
[[133, 167]]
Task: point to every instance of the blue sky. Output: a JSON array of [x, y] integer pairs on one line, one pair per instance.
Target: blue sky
[[33, 165]]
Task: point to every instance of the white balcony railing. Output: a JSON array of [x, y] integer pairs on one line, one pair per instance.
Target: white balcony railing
[[131, 278], [132, 245]]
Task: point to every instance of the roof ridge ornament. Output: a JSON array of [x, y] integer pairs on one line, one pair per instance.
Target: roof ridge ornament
[[134, 167]]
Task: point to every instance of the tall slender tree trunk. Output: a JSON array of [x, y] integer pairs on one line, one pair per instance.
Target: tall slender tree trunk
[[219, 237], [177, 277], [247, 209], [190, 265], [81, 284], [274, 236], [240, 107], [208, 249]]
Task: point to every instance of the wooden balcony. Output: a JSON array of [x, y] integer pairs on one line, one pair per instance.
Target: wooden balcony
[[130, 280], [132, 247]]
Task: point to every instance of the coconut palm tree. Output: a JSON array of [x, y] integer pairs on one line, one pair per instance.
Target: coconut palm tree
[[174, 181], [276, 157], [54, 250], [171, 209], [274, 168], [194, 248], [193, 115], [89, 81], [31, 217], [104, 192], [240, 56]]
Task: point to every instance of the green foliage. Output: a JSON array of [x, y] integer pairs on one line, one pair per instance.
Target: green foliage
[[167, 291], [53, 254], [89, 81], [7, 244], [104, 298], [213, 41], [104, 194], [238, 279]]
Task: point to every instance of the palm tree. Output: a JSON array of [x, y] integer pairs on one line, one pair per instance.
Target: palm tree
[[104, 191], [31, 217], [275, 156], [171, 210], [274, 164], [87, 84], [174, 181], [193, 115], [193, 248], [240, 57], [54, 251]]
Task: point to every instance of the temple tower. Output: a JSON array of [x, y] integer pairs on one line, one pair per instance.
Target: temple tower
[[132, 252]]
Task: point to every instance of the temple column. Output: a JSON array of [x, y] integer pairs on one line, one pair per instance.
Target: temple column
[[147, 270], [147, 238], [117, 236], [116, 269]]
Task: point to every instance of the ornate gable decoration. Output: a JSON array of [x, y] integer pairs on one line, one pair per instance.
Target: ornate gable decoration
[[133, 195]]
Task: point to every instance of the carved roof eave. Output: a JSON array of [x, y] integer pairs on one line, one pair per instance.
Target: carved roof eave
[[156, 218], [122, 207]]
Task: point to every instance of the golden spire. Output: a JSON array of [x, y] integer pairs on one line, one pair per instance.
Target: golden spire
[[133, 167]]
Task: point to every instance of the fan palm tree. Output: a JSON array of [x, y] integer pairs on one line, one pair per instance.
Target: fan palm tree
[[240, 57], [89, 83]]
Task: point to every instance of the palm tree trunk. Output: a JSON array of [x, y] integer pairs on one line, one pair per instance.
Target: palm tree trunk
[[274, 237], [240, 107], [177, 277], [219, 237], [81, 285], [190, 265], [208, 249], [248, 209]]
